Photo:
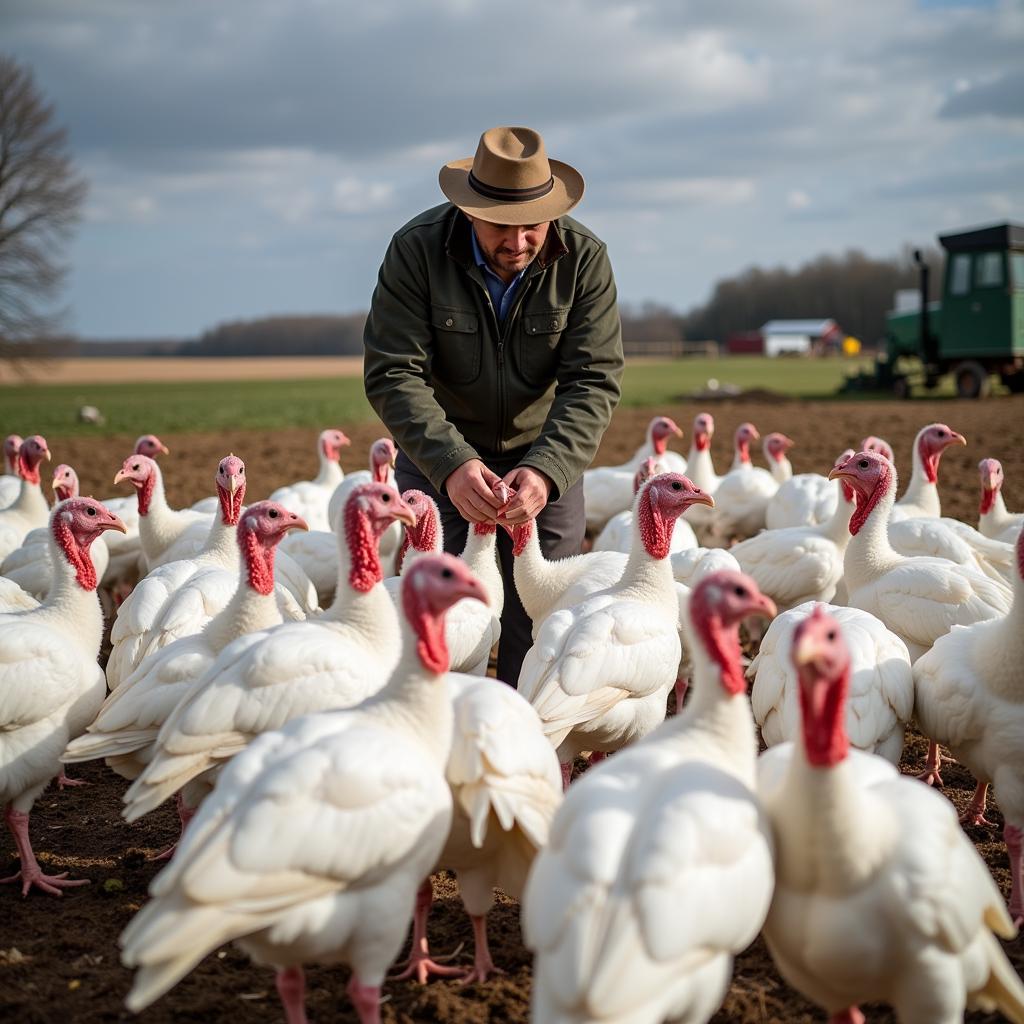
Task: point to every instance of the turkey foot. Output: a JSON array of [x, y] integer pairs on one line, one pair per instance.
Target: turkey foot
[[483, 966], [975, 813], [64, 781], [31, 873], [420, 964], [933, 762]]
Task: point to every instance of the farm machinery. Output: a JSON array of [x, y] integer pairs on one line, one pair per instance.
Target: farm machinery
[[974, 331]]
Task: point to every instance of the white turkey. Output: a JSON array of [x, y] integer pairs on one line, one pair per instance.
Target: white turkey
[[879, 896], [159, 525], [313, 845], [617, 534], [10, 482], [309, 498], [919, 599], [658, 871], [263, 680], [799, 563], [125, 729], [600, 671], [743, 493], [922, 494], [881, 698], [775, 447], [993, 519], [143, 623], [506, 787], [968, 697], [50, 683], [30, 508], [806, 499], [317, 551], [916, 527], [30, 566], [471, 628], [608, 490], [126, 562], [702, 473]]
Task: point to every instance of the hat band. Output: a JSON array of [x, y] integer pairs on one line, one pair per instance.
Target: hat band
[[510, 195]]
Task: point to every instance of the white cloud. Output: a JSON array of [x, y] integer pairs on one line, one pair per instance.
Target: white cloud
[[797, 199], [350, 195]]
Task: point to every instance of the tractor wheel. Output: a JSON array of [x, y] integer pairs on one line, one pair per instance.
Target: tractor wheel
[[971, 380], [901, 387]]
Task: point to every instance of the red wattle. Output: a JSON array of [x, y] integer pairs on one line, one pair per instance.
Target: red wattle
[[429, 629], [929, 460], [76, 554], [484, 529], [28, 468], [660, 445], [743, 451], [722, 644], [865, 506], [654, 531], [988, 499], [146, 494], [363, 549], [259, 561], [702, 442], [424, 535], [1020, 554], [824, 726], [521, 537]]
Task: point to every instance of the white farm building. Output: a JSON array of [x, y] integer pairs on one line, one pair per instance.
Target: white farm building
[[784, 337]]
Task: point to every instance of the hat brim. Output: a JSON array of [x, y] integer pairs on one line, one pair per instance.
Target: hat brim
[[566, 192]]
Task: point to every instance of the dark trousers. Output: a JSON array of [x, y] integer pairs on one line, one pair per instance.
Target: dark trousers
[[560, 525]]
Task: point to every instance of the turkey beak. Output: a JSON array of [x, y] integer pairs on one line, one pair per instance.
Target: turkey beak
[[404, 514], [164, 449], [702, 499], [787, 442], [840, 472], [474, 589], [296, 523], [235, 483], [345, 440], [957, 438], [48, 456], [119, 476], [754, 433], [115, 523], [677, 430], [805, 650], [765, 606]]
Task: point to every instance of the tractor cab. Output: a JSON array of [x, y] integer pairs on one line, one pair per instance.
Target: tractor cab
[[976, 330]]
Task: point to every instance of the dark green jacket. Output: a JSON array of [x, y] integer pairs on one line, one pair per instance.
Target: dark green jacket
[[452, 384]]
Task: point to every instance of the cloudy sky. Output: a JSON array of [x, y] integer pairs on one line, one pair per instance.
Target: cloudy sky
[[249, 157]]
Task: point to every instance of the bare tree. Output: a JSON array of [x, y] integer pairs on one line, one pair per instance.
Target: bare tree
[[41, 196]]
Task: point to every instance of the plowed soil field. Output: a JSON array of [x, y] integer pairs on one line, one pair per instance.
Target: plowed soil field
[[59, 957]]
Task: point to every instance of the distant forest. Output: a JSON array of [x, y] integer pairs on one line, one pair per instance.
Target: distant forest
[[853, 289]]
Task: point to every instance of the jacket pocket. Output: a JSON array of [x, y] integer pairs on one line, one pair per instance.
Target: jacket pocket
[[457, 344], [538, 344]]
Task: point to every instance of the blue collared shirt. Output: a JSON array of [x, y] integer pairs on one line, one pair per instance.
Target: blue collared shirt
[[502, 295]]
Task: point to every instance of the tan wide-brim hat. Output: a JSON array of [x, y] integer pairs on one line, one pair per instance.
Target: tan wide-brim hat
[[511, 180]]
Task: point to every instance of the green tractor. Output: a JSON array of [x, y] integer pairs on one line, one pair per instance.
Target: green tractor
[[975, 331]]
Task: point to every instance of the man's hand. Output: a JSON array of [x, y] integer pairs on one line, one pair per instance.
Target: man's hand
[[470, 488], [532, 488]]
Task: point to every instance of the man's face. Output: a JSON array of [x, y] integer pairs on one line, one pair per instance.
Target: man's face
[[509, 248]]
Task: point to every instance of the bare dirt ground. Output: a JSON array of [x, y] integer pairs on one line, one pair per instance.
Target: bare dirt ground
[[59, 958]]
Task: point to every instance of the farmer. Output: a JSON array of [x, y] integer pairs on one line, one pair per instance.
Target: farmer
[[493, 352]]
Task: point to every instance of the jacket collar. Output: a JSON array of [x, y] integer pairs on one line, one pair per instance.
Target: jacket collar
[[459, 245]]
